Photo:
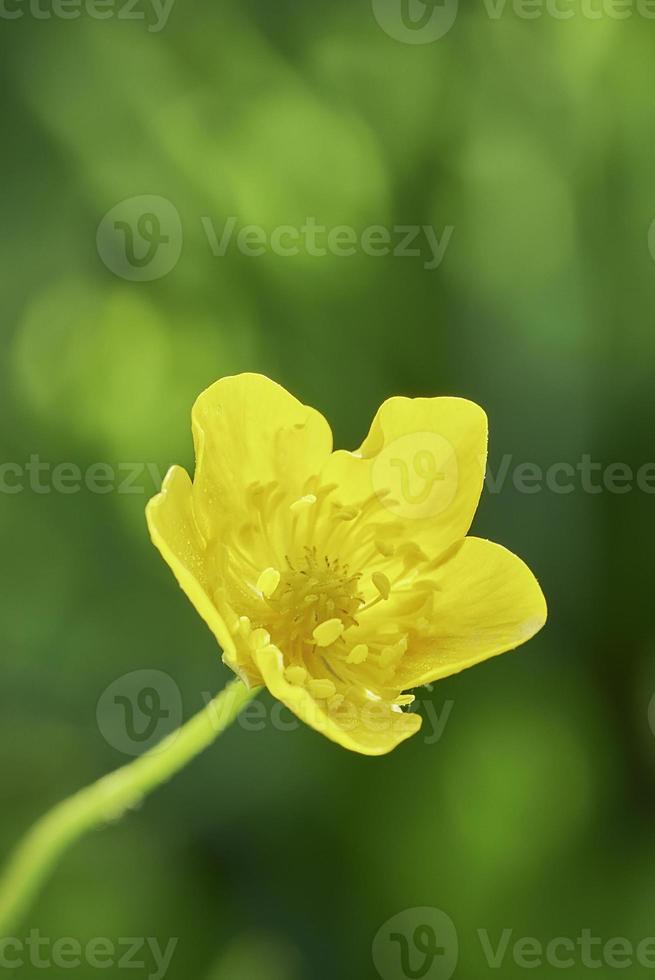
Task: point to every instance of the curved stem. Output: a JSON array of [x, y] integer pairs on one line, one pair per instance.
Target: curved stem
[[108, 799]]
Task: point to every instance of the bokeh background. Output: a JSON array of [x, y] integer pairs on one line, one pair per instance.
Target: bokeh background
[[277, 855]]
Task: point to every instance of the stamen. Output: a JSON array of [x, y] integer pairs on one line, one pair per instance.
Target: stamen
[[260, 638], [296, 675], [303, 503], [391, 655], [385, 548], [244, 625], [268, 582], [381, 583], [412, 554], [405, 699], [326, 633], [322, 688], [358, 654], [347, 514]]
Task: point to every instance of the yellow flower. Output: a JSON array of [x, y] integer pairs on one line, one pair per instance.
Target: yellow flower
[[341, 580]]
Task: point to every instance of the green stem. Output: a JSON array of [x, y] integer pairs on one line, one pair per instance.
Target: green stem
[[108, 799]]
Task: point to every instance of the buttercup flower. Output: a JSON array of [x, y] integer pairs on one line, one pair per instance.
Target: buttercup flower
[[341, 580]]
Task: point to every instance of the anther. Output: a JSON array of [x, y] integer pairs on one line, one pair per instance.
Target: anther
[[385, 549], [321, 688], [405, 699], [326, 633], [358, 654], [268, 582], [296, 675], [260, 638], [381, 583], [303, 502]]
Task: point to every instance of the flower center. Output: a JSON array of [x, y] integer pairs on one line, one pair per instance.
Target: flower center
[[311, 602]]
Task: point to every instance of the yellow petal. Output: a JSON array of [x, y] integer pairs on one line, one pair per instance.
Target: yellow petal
[[424, 459], [174, 532], [247, 430], [488, 602], [370, 727]]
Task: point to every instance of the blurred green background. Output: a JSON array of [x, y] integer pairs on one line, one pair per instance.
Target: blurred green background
[[277, 855]]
